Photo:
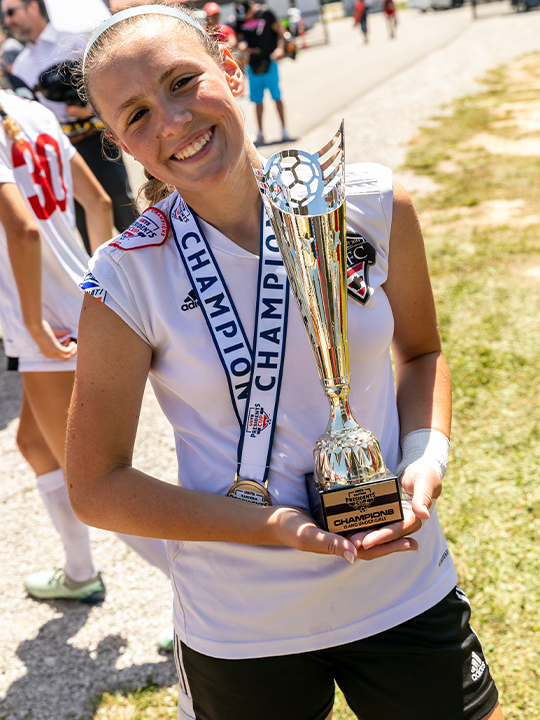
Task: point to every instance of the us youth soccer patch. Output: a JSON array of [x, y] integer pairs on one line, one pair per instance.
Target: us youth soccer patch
[[258, 420], [91, 286], [182, 212], [360, 255], [151, 229]]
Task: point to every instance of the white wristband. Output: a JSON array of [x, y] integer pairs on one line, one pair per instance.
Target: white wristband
[[430, 446]]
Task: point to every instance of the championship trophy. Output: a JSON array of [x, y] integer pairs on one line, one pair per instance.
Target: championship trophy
[[304, 197]]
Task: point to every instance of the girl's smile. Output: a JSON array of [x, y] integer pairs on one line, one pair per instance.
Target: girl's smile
[[194, 148]]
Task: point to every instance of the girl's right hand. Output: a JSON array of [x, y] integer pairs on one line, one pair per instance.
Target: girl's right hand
[[295, 528], [55, 344]]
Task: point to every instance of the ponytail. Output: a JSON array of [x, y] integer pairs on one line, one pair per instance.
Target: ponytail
[[12, 128], [154, 190]]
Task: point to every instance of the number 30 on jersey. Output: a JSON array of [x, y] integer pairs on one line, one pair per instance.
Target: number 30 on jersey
[[43, 184]]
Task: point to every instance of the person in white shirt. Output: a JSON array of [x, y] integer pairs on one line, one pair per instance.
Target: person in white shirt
[[270, 610], [28, 21], [41, 265]]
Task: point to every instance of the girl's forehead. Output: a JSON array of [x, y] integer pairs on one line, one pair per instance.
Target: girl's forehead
[[155, 40]]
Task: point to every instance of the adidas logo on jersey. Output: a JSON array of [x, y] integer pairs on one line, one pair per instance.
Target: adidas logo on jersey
[[190, 303], [477, 666]]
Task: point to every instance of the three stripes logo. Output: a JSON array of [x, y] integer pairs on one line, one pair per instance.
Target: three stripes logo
[[477, 666], [190, 303]]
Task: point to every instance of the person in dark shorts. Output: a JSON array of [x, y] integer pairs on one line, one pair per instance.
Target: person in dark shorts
[[262, 37], [270, 610], [360, 17]]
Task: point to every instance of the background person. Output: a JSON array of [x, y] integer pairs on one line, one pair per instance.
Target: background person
[[389, 8], [41, 266], [267, 612], [222, 33], [262, 36], [360, 17], [27, 20]]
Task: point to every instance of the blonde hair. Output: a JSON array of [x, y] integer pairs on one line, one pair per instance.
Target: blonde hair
[[11, 126], [153, 190]]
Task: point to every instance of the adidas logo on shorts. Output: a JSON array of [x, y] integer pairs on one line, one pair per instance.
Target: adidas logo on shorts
[[190, 303], [477, 666]]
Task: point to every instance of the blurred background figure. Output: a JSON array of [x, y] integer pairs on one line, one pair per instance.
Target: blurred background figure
[[47, 49], [360, 17], [10, 49], [389, 8], [223, 33], [262, 36]]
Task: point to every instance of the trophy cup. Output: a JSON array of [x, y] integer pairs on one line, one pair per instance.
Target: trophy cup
[[304, 197]]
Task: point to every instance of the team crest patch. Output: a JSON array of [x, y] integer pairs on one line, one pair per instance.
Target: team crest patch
[[151, 229], [91, 286], [360, 255], [181, 212], [258, 420]]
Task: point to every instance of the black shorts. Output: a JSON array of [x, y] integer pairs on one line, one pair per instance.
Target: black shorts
[[429, 668], [12, 363]]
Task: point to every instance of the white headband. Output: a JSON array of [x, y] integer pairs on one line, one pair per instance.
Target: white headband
[[131, 12]]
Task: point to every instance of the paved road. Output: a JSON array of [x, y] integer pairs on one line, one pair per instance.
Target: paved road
[[55, 655]]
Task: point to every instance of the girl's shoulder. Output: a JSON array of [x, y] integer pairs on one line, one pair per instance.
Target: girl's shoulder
[[151, 229]]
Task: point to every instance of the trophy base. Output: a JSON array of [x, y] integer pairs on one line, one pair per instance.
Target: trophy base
[[356, 507]]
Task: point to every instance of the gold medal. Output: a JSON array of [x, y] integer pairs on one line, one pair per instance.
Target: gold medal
[[250, 491]]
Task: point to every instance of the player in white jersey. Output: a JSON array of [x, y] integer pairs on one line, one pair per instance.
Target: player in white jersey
[[270, 610], [41, 266]]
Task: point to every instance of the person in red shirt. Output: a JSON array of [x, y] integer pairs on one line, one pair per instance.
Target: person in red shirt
[[389, 8], [360, 17], [222, 33]]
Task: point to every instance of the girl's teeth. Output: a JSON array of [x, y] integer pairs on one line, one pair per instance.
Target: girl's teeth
[[195, 148]]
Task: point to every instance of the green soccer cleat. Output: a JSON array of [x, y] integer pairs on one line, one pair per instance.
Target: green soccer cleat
[[165, 639], [54, 584]]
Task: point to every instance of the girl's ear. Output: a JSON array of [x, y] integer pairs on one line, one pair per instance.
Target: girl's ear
[[233, 74], [121, 145]]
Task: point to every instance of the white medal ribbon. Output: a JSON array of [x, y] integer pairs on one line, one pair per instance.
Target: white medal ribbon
[[253, 376]]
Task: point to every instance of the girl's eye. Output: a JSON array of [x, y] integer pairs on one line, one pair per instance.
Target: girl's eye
[[138, 115], [179, 84]]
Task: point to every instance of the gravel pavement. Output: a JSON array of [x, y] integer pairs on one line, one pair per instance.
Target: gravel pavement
[[54, 656]]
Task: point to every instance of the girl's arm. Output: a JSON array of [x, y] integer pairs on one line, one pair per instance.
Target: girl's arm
[[106, 491], [96, 203], [24, 248], [422, 377]]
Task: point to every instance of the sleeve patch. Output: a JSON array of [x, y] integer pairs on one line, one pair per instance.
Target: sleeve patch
[[92, 286], [150, 229]]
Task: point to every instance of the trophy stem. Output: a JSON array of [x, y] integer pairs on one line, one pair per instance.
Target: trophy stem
[[337, 391]]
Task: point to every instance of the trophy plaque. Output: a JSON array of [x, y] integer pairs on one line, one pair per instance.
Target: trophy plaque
[[304, 197]]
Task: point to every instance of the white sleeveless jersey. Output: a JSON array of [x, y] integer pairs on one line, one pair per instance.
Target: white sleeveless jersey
[[239, 601], [40, 167]]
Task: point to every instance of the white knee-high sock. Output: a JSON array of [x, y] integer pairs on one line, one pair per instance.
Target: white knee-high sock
[[75, 538], [152, 550]]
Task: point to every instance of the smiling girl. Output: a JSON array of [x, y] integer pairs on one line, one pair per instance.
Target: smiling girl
[[270, 610]]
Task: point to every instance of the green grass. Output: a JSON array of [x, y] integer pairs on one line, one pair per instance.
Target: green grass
[[489, 315]]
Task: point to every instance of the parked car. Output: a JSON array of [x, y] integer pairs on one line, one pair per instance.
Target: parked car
[[446, 4], [422, 5]]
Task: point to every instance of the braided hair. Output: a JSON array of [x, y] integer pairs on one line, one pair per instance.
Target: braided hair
[[11, 126]]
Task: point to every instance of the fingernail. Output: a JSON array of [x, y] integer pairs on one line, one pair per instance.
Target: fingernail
[[349, 556]]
